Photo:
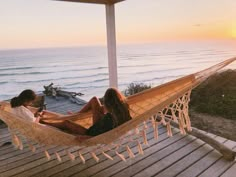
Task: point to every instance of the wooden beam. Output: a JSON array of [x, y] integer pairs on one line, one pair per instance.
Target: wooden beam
[[95, 1], [111, 45]]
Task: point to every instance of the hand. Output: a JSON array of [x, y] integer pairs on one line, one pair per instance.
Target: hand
[[37, 120], [70, 112], [41, 113]]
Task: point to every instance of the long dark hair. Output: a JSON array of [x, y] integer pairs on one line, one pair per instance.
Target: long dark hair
[[116, 104], [25, 96]]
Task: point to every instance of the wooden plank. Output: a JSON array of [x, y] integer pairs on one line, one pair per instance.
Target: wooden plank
[[46, 162], [171, 159], [31, 161], [49, 168], [3, 131], [203, 163], [11, 152], [4, 135], [5, 139], [151, 155], [117, 163], [18, 157], [128, 170], [13, 155], [104, 162], [5, 146], [230, 172], [221, 165], [182, 164]]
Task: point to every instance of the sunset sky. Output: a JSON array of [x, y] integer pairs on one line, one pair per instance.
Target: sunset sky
[[46, 23]]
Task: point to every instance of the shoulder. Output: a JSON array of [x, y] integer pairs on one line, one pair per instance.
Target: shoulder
[[23, 112], [24, 109], [17, 109]]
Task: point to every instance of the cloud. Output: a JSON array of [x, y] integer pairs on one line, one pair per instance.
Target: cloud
[[197, 25]]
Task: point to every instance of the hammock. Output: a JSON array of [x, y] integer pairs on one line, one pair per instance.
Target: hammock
[[169, 100]]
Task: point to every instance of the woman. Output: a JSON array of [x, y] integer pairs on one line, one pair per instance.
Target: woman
[[114, 113], [20, 103]]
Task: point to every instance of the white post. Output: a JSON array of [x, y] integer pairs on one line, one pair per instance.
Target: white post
[[111, 45]]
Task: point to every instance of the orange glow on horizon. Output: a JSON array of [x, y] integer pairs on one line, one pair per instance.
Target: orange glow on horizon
[[178, 33], [69, 37]]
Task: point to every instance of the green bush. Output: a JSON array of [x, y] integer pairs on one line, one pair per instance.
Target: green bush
[[134, 88], [216, 95]]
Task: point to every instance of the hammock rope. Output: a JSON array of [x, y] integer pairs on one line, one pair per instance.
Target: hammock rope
[[169, 100]]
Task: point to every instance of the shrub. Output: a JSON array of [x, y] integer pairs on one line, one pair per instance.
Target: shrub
[[134, 88], [216, 95]]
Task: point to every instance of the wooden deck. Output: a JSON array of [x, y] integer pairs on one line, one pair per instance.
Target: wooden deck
[[176, 156]]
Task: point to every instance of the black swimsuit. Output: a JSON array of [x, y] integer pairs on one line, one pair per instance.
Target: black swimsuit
[[103, 125]]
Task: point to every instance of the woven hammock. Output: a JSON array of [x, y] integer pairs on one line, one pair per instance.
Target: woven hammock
[[169, 100]]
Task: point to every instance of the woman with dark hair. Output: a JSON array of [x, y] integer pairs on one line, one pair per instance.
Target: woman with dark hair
[[114, 112], [20, 103]]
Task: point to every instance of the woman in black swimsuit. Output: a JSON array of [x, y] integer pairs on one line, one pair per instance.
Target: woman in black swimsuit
[[114, 112]]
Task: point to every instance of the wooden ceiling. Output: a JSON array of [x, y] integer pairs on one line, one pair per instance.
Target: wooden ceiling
[[95, 1]]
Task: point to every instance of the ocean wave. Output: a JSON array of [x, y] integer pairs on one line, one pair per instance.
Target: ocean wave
[[4, 82], [100, 80], [134, 66], [31, 73], [165, 70], [152, 80], [52, 72], [162, 78], [16, 68], [87, 83], [85, 87], [167, 54], [62, 78]]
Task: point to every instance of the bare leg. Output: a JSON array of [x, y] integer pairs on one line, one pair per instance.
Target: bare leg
[[96, 107], [97, 110], [60, 125], [75, 128], [68, 126], [90, 104]]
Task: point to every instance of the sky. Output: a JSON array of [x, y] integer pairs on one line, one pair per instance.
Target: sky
[[48, 23]]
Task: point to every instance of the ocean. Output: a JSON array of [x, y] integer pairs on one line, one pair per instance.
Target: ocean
[[85, 69]]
